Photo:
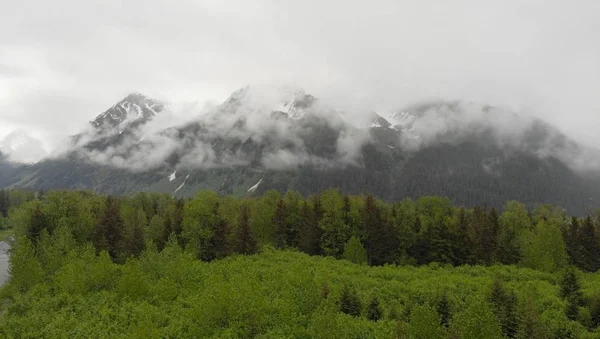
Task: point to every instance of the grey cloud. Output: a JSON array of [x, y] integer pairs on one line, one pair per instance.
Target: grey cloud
[[535, 57]]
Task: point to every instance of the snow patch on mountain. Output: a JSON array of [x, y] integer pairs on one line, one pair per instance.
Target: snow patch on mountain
[[182, 184], [135, 109], [255, 187]]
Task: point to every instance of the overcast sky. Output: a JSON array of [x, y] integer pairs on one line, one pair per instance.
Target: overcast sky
[[62, 62]]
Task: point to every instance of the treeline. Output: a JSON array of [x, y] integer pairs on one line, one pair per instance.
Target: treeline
[[134, 262], [361, 229]]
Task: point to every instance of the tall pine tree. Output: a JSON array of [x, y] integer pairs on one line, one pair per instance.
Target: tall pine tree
[[381, 237], [108, 233], [245, 244], [589, 260]]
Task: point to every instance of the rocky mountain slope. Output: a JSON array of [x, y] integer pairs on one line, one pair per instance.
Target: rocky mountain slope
[[284, 138]]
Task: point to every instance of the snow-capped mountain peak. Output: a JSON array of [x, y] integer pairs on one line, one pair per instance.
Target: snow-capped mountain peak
[[402, 119], [134, 110], [289, 100], [379, 121]]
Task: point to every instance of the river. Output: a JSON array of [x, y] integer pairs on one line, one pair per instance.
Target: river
[[4, 274]]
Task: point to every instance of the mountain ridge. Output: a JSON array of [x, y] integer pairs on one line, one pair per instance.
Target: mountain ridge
[[257, 141]]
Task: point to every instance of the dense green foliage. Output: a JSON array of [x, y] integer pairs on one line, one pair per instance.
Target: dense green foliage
[[85, 265]]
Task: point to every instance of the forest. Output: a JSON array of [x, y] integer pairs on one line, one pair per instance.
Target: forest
[[288, 266]]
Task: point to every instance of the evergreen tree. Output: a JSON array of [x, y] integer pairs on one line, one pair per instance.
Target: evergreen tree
[[530, 324], [443, 309], [335, 233], [441, 245], [132, 239], [486, 227], [509, 248], [308, 236], [107, 236], [589, 247], [571, 236], [594, 306], [504, 305], [404, 221], [280, 224], [350, 302], [294, 219], [177, 220], [570, 287], [4, 203], [381, 237], [420, 249], [374, 312], [245, 240], [38, 222], [570, 291], [220, 239], [464, 254]]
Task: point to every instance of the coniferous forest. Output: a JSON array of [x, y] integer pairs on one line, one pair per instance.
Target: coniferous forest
[[286, 266]]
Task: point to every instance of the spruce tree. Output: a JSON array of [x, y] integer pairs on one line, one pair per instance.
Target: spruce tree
[[381, 237], [589, 247], [280, 224], [594, 307], [570, 291], [374, 312], [108, 233], [4, 203], [504, 305], [570, 287], [464, 252], [571, 236], [245, 240], [39, 221], [509, 249], [308, 231], [443, 309], [220, 239], [350, 302], [166, 231], [530, 323]]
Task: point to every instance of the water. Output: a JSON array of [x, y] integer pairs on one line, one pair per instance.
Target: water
[[4, 247]]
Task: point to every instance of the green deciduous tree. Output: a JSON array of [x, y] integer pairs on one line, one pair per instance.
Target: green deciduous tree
[[25, 269], [546, 250], [477, 322], [355, 252], [425, 323]]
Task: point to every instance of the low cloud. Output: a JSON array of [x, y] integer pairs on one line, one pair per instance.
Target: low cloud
[[276, 127]]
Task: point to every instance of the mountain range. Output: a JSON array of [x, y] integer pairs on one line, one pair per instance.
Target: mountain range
[[283, 138]]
